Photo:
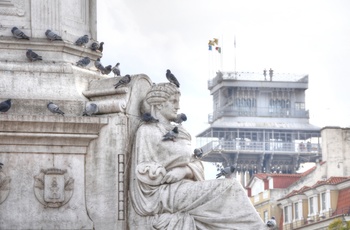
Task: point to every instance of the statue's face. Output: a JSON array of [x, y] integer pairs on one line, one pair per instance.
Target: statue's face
[[170, 107]]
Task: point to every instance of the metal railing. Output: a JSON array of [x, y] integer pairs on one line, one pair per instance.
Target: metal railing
[[251, 76], [260, 146], [258, 112]]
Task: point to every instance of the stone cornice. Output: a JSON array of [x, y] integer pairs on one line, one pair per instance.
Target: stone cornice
[[48, 134]]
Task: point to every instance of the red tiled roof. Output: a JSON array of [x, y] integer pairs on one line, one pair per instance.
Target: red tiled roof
[[279, 180], [296, 192], [329, 181], [343, 205]]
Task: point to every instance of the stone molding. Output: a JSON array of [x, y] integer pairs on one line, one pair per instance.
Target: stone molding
[[48, 134], [13, 8], [44, 47]]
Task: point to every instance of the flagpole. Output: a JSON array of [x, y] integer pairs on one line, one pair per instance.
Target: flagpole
[[235, 51], [222, 54]]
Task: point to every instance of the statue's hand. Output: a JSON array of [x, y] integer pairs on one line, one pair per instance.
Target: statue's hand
[[176, 174]]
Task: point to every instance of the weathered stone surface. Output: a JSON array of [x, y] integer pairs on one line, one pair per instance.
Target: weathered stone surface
[[167, 187], [108, 156], [22, 210]]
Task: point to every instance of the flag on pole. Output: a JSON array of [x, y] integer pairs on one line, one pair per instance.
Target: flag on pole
[[216, 41], [235, 42], [218, 48], [211, 44]]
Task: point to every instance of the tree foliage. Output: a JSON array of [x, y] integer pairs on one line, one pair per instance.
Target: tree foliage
[[339, 224]]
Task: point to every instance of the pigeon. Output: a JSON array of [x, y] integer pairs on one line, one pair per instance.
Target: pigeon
[[54, 108], [226, 171], [83, 62], [99, 66], [1, 164], [123, 81], [100, 47], [271, 223], [32, 56], [90, 109], [107, 70], [5, 105], [17, 33], [116, 69], [148, 118], [52, 36], [94, 46], [198, 153], [180, 118], [82, 40], [172, 78], [171, 135]]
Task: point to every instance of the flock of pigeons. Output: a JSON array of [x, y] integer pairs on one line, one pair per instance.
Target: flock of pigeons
[[92, 108], [81, 41]]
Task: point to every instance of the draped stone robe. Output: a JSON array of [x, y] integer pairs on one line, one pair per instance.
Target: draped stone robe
[[186, 204]]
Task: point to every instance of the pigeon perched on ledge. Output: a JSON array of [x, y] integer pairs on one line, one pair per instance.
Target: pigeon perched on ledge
[[226, 171], [32, 56], [116, 69], [172, 78], [54, 108], [107, 70], [83, 62], [171, 135], [90, 109], [99, 65], [180, 118], [5, 105], [100, 47], [123, 81], [198, 153], [17, 33], [148, 118], [52, 36], [94, 46], [82, 40], [271, 223]]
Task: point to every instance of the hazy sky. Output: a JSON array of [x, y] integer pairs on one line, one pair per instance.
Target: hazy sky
[[303, 37]]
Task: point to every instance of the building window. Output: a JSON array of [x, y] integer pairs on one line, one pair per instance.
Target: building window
[[323, 201], [299, 105], [266, 216], [313, 207], [296, 211], [287, 214]]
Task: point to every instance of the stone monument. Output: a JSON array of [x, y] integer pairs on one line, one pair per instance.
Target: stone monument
[[167, 186], [76, 172]]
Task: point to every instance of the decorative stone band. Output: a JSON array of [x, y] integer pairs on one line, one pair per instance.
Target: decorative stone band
[[105, 92], [110, 106]]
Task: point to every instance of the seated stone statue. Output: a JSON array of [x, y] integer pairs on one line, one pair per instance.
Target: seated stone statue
[[167, 187]]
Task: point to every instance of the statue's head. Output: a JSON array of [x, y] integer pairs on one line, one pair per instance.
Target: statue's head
[[160, 97]]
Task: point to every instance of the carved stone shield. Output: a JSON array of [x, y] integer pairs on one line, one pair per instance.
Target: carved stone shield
[[53, 188]]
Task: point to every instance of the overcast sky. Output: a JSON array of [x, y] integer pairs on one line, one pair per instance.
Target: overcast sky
[[302, 37]]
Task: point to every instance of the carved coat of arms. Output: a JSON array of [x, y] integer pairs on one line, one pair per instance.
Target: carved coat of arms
[[53, 188], [4, 186]]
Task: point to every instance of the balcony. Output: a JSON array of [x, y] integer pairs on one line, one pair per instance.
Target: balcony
[[258, 112], [260, 146]]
